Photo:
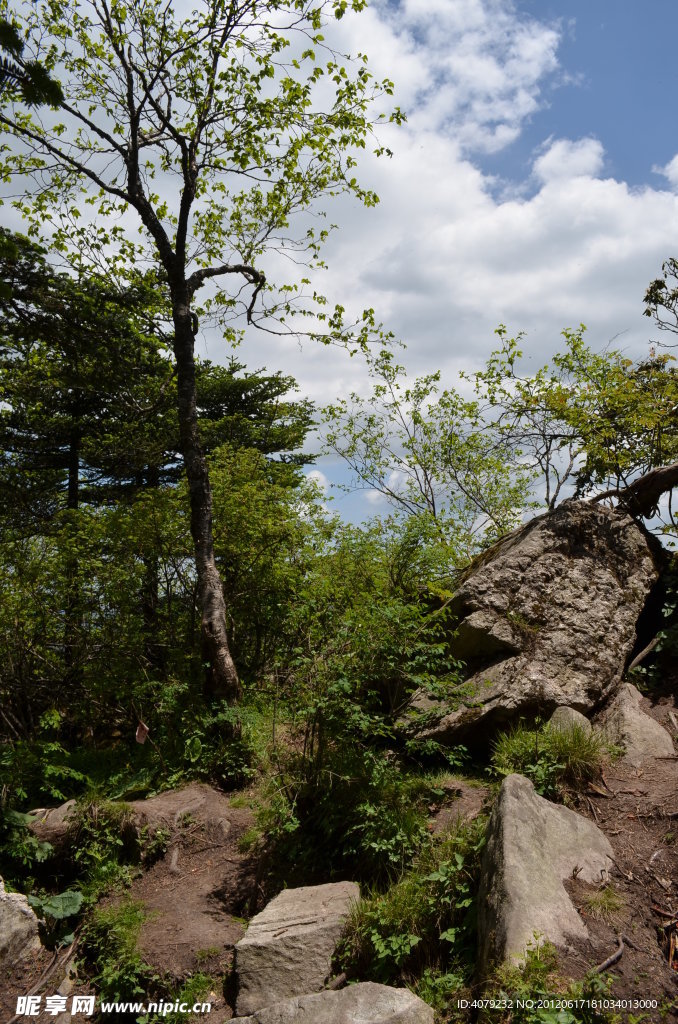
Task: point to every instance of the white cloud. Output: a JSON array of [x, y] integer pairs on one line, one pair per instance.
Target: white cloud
[[566, 159], [669, 171], [319, 478], [470, 68]]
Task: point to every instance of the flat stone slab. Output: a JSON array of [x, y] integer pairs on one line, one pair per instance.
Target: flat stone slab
[[532, 847], [366, 1003], [18, 927], [288, 948], [625, 723]]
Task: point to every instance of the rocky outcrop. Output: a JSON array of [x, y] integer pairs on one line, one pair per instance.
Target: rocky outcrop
[[625, 723], [366, 1003], [532, 847], [548, 618], [288, 948], [18, 927]]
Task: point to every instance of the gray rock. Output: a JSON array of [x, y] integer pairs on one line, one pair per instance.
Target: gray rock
[[625, 723], [366, 1003], [548, 618], [18, 927], [50, 824], [532, 847], [288, 948], [565, 719]]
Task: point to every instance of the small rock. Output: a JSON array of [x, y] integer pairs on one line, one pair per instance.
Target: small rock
[[18, 927], [565, 718], [626, 723], [532, 847], [366, 1003], [288, 948]]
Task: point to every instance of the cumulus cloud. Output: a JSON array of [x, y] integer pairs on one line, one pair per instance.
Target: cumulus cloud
[[470, 68], [447, 255], [564, 159], [669, 171]]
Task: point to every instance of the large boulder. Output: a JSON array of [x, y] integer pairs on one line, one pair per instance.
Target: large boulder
[[625, 723], [18, 927], [288, 948], [548, 618], [532, 847], [366, 1003]]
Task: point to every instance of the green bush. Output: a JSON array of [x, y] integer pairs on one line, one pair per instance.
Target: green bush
[[109, 941], [551, 758], [422, 928]]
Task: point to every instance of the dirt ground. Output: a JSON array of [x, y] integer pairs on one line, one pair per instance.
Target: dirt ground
[[196, 896], [637, 809]]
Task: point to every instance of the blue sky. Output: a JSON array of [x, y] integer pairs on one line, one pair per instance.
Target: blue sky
[[622, 59]]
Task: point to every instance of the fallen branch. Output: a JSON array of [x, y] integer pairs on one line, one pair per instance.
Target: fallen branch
[[641, 497], [643, 654], [611, 960]]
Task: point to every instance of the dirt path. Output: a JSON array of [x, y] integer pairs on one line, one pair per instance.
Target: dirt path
[[637, 809]]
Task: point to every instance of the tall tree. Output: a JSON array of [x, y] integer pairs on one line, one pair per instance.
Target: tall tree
[[85, 390], [247, 119]]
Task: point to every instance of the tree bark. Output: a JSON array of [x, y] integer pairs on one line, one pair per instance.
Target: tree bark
[[642, 496], [221, 678], [72, 614]]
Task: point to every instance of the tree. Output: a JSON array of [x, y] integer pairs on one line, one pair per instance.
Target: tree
[[85, 386], [29, 77], [585, 421], [661, 298], [431, 454], [246, 119]]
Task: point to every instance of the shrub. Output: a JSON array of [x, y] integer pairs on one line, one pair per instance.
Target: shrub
[[109, 941], [422, 927], [551, 758]]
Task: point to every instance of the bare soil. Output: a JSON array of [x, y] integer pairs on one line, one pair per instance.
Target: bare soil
[[637, 809], [196, 898], [463, 801]]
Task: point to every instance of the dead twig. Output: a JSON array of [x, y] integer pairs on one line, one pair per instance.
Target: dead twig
[[593, 810], [643, 654], [611, 960]]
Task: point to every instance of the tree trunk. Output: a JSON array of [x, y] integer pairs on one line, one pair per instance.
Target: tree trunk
[[221, 679], [643, 495], [72, 614]]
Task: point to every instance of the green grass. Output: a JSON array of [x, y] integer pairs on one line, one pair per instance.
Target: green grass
[[551, 758], [604, 903]]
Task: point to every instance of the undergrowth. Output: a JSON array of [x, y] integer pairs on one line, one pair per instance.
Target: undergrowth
[[551, 758], [110, 945], [362, 816], [536, 982], [421, 931]]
